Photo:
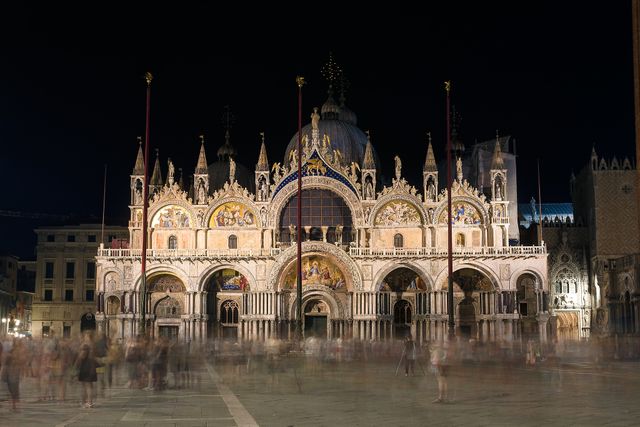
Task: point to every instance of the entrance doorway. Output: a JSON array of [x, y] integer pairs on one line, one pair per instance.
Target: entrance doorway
[[170, 332], [402, 319], [87, 322], [315, 319], [568, 325], [315, 326]]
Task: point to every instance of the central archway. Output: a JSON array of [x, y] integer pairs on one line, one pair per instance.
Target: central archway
[[225, 289], [470, 290]]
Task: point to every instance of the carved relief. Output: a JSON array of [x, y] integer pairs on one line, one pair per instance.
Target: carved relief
[[111, 282], [166, 283], [505, 271]]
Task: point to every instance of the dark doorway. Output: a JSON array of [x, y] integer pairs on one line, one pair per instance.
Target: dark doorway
[[402, 319], [315, 326], [87, 322], [170, 332]]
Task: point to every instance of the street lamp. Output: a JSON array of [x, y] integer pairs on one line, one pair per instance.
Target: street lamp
[[5, 325]]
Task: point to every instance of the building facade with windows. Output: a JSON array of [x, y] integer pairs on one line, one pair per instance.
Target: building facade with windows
[[593, 245], [8, 287], [65, 286], [221, 259]]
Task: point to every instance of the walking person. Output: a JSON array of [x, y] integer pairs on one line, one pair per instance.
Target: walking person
[[11, 372], [86, 367], [410, 355], [439, 367]]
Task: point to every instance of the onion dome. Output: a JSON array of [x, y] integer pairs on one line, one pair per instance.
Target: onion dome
[[219, 171], [227, 150]]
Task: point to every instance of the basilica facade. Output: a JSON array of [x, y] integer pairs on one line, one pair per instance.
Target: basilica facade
[[221, 259]]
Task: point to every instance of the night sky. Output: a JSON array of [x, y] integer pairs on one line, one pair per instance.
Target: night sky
[[557, 77]]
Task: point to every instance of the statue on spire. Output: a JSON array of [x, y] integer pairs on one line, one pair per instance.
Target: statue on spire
[[171, 172], [232, 170], [459, 169], [315, 118], [398, 167]]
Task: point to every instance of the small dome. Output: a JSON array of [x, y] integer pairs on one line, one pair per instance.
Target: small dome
[[219, 174], [347, 115], [330, 109], [227, 150], [344, 136]]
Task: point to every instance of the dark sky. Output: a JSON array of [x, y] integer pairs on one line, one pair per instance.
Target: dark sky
[[556, 76]]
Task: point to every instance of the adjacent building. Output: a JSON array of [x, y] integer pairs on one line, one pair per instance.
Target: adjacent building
[[8, 285], [65, 278]]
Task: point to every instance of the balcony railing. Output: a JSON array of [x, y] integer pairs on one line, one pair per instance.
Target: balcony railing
[[356, 252], [188, 253], [508, 251]]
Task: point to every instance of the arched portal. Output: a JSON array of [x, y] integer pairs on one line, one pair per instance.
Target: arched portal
[[87, 322], [398, 287], [316, 313], [167, 299], [568, 325], [472, 291], [325, 213], [224, 298]]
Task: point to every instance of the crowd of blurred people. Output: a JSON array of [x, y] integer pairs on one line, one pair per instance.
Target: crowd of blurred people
[[92, 364]]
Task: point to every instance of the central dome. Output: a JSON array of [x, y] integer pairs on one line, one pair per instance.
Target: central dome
[[344, 136]]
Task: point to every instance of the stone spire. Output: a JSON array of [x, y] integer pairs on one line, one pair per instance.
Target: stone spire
[[497, 162], [369, 162], [138, 168], [430, 161], [263, 162], [156, 176], [201, 167]]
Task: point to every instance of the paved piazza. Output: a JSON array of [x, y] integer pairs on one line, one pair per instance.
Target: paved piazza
[[304, 391]]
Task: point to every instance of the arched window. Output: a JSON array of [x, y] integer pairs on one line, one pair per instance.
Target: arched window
[[459, 239], [233, 242], [173, 242], [229, 312], [320, 208], [398, 241]]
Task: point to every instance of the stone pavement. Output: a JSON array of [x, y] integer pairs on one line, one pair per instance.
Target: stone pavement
[[307, 392]]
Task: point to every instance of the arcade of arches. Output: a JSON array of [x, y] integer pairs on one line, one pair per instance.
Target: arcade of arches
[[374, 252]]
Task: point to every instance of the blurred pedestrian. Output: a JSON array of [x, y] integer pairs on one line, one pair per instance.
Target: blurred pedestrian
[[410, 355], [86, 367], [11, 372], [440, 368]]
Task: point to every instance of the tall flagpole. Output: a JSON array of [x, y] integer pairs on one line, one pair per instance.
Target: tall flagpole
[[300, 81], [539, 207], [145, 201], [635, 27], [452, 332], [104, 203]]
